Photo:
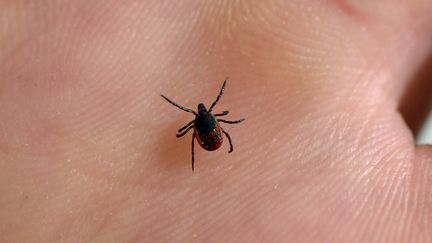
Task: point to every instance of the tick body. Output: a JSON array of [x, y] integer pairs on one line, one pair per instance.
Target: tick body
[[206, 128]]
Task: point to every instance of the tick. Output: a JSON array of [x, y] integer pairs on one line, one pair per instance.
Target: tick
[[206, 126]]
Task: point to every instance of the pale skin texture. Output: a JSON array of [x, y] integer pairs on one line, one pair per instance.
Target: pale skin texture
[[88, 151]]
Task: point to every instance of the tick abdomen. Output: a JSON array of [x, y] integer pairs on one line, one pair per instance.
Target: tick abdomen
[[210, 141], [208, 131]]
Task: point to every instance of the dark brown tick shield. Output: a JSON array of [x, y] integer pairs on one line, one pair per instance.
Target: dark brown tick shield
[[206, 126]]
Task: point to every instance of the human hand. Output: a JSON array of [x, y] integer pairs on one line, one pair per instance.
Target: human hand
[[88, 150]]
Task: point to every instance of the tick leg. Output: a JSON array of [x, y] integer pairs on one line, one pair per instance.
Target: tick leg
[[186, 126], [231, 122], [193, 157], [218, 97], [179, 106], [229, 140], [224, 113], [184, 132]]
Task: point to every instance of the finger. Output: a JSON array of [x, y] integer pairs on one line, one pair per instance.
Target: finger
[[420, 202], [416, 103]]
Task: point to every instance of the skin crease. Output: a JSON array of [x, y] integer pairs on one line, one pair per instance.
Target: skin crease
[[88, 150]]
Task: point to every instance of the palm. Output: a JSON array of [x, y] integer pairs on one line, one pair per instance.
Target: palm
[[88, 149]]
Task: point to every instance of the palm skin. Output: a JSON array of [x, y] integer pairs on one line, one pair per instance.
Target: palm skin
[[88, 151]]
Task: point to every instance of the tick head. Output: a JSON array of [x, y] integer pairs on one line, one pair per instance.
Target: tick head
[[201, 108]]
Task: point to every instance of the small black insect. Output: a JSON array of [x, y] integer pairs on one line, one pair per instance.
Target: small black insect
[[206, 126]]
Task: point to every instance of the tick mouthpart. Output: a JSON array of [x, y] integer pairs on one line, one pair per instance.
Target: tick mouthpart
[[201, 107]]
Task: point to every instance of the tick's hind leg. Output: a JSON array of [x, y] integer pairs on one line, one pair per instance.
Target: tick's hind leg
[[231, 122], [193, 157], [229, 140]]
